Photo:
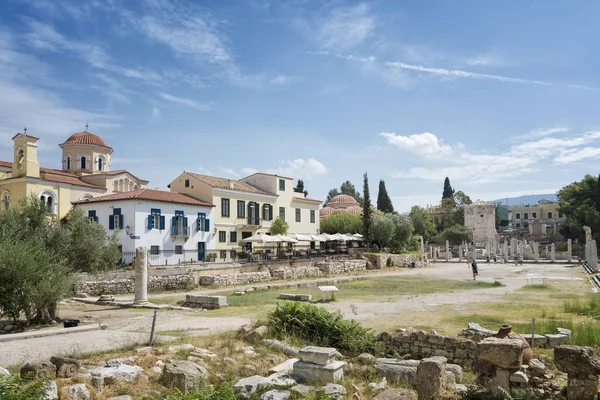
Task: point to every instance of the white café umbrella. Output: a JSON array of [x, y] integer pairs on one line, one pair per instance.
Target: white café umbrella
[[357, 236], [339, 237], [262, 238], [286, 239], [348, 238], [326, 237], [299, 237], [317, 238]]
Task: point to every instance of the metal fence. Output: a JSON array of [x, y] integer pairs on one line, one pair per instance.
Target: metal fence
[[249, 254]]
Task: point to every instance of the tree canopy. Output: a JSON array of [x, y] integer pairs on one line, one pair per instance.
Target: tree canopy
[[457, 234], [346, 188], [341, 223], [384, 203], [367, 214], [423, 224], [300, 188], [279, 227], [578, 201], [39, 254]]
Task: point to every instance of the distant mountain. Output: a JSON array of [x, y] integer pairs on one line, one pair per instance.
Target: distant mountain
[[527, 199]]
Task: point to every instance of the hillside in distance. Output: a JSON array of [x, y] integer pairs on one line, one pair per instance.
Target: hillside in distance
[[526, 199]]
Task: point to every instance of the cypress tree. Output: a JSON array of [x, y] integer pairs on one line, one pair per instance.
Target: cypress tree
[[598, 194], [367, 215], [384, 203], [448, 191]]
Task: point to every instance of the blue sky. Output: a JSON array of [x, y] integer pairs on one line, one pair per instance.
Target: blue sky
[[502, 97]]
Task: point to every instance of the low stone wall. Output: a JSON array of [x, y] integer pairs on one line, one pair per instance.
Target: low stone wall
[[339, 267], [295, 272], [379, 260], [234, 279], [123, 286], [420, 344]]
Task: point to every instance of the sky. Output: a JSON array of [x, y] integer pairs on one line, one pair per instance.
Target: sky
[[501, 97]]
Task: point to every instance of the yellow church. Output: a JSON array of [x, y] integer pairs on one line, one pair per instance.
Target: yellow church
[[85, 173]]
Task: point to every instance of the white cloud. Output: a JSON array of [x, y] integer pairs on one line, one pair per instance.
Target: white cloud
[[542, 132], [249, 171], [300, 168], [345, 27], [425, 143], [229, 172], [573, 155], [186, 102]]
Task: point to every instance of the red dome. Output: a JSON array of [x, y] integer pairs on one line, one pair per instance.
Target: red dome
[[342, 200], [86, 138]]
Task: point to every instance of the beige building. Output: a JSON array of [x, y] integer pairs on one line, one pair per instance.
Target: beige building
[[249, 205], [85, 173], [480, 217], [545, 211]]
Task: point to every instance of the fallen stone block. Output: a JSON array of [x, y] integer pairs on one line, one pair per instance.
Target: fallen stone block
[[502, 353], [309, 372], [334, 391], [184, 375], [538, 340], [577, 360], [303, 389], [317, 355], [76, 392], [38, 370], [295, 297], [366, 359], [432, 379], [286, 349], [519, 377], [4, 372], [257, 334], [286, 367], [119, 373], [396, 394], [208, 302], [556, 340], [65, 367], [247, 386], [275, 394], [50, 391]]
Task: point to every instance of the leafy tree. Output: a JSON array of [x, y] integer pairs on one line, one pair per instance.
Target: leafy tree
[[422, 222], [461, 199], [384, 203], [448, 191], [38, 256], [331, 194], [367, 214], [598, 194], [300, 188], [383, 230], [403, 230], [457, 234], [341, 223], [578, 202], [279, 227]]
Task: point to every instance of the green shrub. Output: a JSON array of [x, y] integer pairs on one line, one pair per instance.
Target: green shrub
[[317, 326], [389, 262], [15, 388], [589, 307]]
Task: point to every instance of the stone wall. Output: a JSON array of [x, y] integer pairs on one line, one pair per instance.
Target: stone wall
[[234, 279], [126, 285], [295, 272], [420, 344], [339, 267], [379, 260]]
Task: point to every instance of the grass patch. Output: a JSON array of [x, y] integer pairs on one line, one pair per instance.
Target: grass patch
[[537, 288], [588, 306]]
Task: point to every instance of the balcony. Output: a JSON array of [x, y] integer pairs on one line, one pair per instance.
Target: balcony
[[179, 231], [253, 221]]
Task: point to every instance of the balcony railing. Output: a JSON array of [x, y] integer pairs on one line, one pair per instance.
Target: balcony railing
[[253, 221], [178, 231]]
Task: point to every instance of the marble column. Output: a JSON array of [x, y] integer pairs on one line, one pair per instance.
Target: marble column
[[505, 251], [591, 254], [447, 250], [434, 254], [536, 251], [141, 276], [552, 253], [460, 253], [569, 250], [423, 246]]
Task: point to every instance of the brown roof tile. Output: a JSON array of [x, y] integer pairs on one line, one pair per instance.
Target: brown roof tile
[[264, 173], [86, 138], [148, 194], [67, 178], [230, 184]]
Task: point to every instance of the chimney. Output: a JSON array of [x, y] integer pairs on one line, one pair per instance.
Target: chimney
[[231, 184]]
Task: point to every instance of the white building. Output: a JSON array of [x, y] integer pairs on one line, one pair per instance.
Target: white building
[[173, 227]]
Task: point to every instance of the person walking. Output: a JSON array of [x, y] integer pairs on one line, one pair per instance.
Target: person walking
[[474, 269]]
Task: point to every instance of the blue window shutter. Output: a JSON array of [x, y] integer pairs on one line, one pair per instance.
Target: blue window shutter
[[150, 217], [111, 222], [121, 220], [206, 225], [117, 211], [162, 222], [185, 222]]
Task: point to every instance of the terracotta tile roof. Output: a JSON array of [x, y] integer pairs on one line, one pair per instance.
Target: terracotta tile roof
[[263, 173], [5, 164], [86, 138], [230, 184], [307, 199], [66, 178], [121, 171], [148, 194]]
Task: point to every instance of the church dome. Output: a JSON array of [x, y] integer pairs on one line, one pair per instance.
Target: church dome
[[86, 138], [342, 201], [325, 211], [354, 210]]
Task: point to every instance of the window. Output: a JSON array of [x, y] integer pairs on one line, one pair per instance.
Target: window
[[241, 209], [223, 254], [155, 220], [253, 213], [232, 254], [526, 225], [550, 215], [525, 215], [224, 207], [202, 224], [68, 162], [179, 224], [281, 185], [312, 216], [179, 249], [518, 225], [282, 213], [100, 163], [559, 215], [48, 199], [187, 183], [298, 215], [518, 216], [222, 236], [233, 237], [115, 221], [5, 200], [83, 163], [267, 212], [154, 250], [20, 158], [92, 216]]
